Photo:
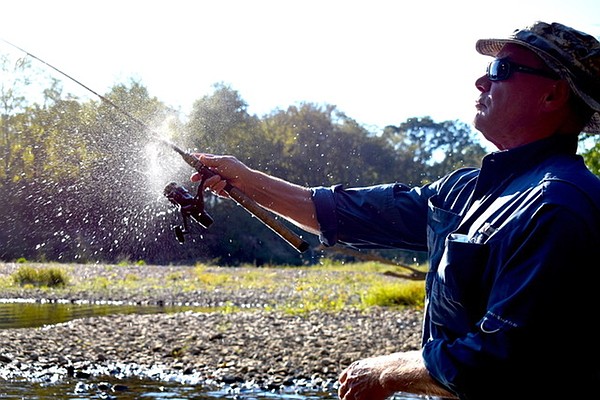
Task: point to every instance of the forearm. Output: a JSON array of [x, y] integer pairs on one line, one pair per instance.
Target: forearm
[[410, 375], [290, 201]]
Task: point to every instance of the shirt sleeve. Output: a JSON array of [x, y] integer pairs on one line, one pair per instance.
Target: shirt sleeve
[[381, 216]]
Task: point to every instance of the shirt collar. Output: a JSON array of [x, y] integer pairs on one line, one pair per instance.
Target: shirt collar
[[523, 157]]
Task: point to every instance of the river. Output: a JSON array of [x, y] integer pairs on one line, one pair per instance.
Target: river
[[19, 313]]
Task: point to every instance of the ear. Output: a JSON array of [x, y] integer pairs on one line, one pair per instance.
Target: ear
[[558, 95]]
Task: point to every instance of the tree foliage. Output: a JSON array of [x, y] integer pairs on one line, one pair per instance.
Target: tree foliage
[[592, 154], [82, 181], [431, 149]]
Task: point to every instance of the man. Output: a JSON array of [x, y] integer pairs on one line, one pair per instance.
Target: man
[[513, 246]]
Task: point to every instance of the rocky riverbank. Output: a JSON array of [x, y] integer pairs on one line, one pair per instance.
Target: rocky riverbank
[[270, 348]]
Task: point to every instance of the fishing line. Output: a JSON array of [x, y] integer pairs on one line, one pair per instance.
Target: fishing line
[[106, 100]]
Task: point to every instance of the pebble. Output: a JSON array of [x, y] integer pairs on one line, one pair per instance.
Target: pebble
[[256, 347]]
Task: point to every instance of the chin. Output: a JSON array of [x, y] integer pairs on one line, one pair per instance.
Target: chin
[[478, 120]]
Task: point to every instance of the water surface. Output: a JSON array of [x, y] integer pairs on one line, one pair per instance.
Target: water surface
[[27, 313]]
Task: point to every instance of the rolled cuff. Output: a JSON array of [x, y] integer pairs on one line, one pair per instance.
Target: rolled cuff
[[326, 214]]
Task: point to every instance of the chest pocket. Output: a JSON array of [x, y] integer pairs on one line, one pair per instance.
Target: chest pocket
[[439, 225], [457, 284], [455, 277]]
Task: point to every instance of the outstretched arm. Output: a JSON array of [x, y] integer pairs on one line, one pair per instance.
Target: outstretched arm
[[288, 200]]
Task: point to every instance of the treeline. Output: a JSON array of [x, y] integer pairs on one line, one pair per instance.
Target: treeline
[[82, 180]]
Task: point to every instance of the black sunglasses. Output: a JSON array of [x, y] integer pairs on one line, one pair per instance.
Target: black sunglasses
[[499, 70]]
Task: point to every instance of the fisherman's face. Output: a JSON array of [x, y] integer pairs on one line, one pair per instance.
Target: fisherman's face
[[508, 110]]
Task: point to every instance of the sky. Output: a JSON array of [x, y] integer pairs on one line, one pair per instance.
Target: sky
[[379, 62]]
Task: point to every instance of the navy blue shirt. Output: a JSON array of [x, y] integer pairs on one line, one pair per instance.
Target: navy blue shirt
[[514, 266]]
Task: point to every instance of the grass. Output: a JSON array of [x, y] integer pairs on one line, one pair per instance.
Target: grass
[[51, 277], [327, 287], [396, 294]]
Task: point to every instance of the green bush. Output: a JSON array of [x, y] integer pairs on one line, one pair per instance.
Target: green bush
[[396, 294], [40, 277]]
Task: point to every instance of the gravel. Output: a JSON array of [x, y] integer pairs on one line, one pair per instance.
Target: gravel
[[266, 347]]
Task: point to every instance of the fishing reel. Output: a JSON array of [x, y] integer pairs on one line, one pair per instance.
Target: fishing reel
[[189, 206]]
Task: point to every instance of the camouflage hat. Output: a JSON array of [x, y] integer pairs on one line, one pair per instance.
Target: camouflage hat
[[574, 55]]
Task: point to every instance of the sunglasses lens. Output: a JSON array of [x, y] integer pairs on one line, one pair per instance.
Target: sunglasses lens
[[498, 70]]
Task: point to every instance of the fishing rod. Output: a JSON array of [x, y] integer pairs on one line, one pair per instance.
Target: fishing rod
[[193, 206]]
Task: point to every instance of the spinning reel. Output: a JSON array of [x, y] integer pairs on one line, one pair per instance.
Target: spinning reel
[[189, 206]]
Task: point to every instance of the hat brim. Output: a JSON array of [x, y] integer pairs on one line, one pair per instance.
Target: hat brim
[[593, 127], [491, 47]]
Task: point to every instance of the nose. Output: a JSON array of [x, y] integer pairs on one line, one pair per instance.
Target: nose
[[483, 84]]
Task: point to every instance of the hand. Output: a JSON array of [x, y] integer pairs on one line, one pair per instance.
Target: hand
[[228, 169], [290, 201], [361, 380], [377, 378]]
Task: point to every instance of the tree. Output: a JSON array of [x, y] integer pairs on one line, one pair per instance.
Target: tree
[[318, 145], [591, 154], [12, 101], [82, 180], [220, 123], [435, 148]]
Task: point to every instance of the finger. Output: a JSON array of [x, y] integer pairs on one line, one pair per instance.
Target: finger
[[195, 177], [210, 160], [343, 376], [219, 188], [212, 182], [350, 393], [342, 381], [200, 155], [216, 185]]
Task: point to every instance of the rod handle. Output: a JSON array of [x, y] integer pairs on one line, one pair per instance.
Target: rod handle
[[267, 218]]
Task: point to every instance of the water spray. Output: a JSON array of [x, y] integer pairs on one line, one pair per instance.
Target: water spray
[[193, 206]]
